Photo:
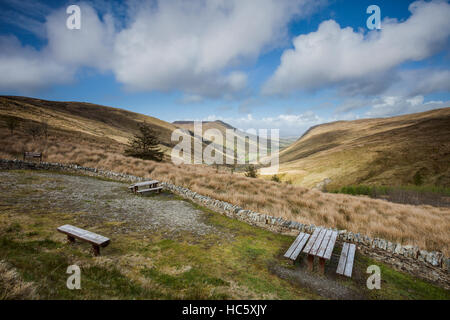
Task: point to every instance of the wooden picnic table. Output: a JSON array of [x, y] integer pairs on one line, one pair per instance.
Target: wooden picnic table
[[321, 245], [151, 184]]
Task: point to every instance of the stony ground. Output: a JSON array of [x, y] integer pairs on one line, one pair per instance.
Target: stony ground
[[104, 201]]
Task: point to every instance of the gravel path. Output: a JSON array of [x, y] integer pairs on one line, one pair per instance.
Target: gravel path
[[101, 201]]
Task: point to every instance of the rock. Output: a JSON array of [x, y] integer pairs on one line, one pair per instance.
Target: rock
[[446, 264]]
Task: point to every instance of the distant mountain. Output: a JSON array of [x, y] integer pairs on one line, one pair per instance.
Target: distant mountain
[[386, 151], [222, 126]]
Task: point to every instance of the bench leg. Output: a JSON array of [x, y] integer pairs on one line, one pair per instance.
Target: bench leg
[[71, 239], [310, 262], [96, 250], [322, 265]]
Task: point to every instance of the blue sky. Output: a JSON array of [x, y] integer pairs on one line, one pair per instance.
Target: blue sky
[[265, 64]]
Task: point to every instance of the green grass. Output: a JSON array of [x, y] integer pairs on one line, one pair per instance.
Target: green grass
[[384, 190], [396, 285], [411, 194]]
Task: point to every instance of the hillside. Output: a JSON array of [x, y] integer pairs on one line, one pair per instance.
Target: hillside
[[386, 151], [95, 123]]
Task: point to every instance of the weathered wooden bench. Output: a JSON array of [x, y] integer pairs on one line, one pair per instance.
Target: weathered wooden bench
[[345, 265], [148, 185], [144, 191], [73, 233], [296, 247], [32, 155]]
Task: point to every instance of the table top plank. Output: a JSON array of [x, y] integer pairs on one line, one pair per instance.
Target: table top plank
[[324, 244], [343, 259], [312, 239], [300, 246], [144, 183], [330, 245], [83, 234], [349, 262], [318, 242], [294, 245]]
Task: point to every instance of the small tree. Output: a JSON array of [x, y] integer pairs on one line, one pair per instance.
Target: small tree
[[418, 179], [250, 171], [144, 145], [12, 123], [276, 178], [34, 130]]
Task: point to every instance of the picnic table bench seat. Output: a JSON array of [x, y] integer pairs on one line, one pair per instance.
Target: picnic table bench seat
[[297, 246], [143, 191], [95, 239], [346, 259]]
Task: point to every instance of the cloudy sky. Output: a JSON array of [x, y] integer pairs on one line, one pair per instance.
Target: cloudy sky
[[254, 64]]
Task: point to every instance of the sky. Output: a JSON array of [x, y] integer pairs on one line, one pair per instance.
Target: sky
[[265, 64]]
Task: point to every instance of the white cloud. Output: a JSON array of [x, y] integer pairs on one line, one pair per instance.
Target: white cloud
[[175, 45], [25, 68], [340, 56], [397, 105], [194, 47], [91, 46]]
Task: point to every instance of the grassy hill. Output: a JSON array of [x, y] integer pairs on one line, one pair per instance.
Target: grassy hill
[[385, 151], [87, 121]]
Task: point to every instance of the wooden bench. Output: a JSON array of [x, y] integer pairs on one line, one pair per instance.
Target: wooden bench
[[143, 191], [152, 184], [345, 265], [321, 245], [32, 155], [296, 247], [73, 233]]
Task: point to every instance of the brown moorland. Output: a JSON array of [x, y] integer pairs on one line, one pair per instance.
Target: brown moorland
[[384, 151]]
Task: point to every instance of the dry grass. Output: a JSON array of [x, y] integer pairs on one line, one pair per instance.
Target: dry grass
[[12, 287], [385, 151], [424, 226]]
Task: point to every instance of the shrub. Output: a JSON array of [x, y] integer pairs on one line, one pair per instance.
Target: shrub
[[275, 178], [418, 179], [250, 171]]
